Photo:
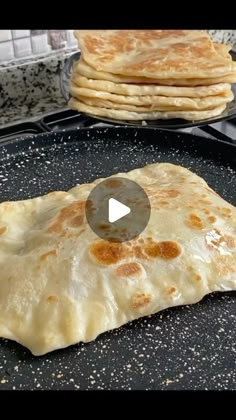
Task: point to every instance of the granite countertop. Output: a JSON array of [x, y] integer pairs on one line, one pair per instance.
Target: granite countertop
[[30, 90], [21, 113]]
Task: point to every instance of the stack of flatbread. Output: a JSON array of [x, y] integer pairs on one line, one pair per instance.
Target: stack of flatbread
[[151, 74]]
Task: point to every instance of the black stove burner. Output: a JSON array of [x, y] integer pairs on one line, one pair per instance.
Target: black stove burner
[[68, 119]]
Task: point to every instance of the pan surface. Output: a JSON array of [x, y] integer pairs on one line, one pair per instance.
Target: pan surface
[[189, 347]]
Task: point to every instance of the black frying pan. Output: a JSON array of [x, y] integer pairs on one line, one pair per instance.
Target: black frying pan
[[190, 347]]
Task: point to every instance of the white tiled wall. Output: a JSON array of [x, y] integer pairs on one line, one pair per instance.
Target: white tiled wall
[[18, 44]]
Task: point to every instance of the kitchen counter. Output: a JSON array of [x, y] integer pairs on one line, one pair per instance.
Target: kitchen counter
[[20, 113], [31, 89]]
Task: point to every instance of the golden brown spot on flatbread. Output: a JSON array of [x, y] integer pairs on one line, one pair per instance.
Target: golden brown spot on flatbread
[[112, 183], [2, 230], [148, 35], [138, 252], [161, 194], [92, 43], [75, 209], [211, 219], [111, 238], [108, 252], [230, 242], [172, 193], [129, 269], [77, 221], [197, 277], [165, 249], [204, 201], [225, 211], [56, 227], [163, 202], [194, 222], [171, 290], [169, 249], [152, 249], [51, 253], [206, 211], [52, 299], [90, 205], [72, 210], [104, 226], [140, 299]]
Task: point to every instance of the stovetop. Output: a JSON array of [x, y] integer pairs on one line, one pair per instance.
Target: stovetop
[[68, 119]]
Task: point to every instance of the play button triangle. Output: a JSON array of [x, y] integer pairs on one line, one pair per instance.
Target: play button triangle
[[116, 210]]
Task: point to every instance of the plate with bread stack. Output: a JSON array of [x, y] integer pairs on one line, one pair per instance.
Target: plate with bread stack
[[163, 78]]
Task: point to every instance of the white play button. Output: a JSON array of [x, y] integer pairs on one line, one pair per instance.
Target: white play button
[[116, 210]]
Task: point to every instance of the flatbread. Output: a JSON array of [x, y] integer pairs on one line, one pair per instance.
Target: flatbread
[[122, 115], [103, 103], [144, 90], [60, 284], [161, 54], [83, 69], [165, 101], [223, 49]]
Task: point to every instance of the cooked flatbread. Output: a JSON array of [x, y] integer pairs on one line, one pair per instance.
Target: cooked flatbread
[[142, 90], [160, 54], [103, 103], [180, 103], [223, 49], [83, 69], [121, 115], [60, 284]]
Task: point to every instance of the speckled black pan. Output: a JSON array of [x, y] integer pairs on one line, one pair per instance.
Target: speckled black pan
[[191, 347]]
